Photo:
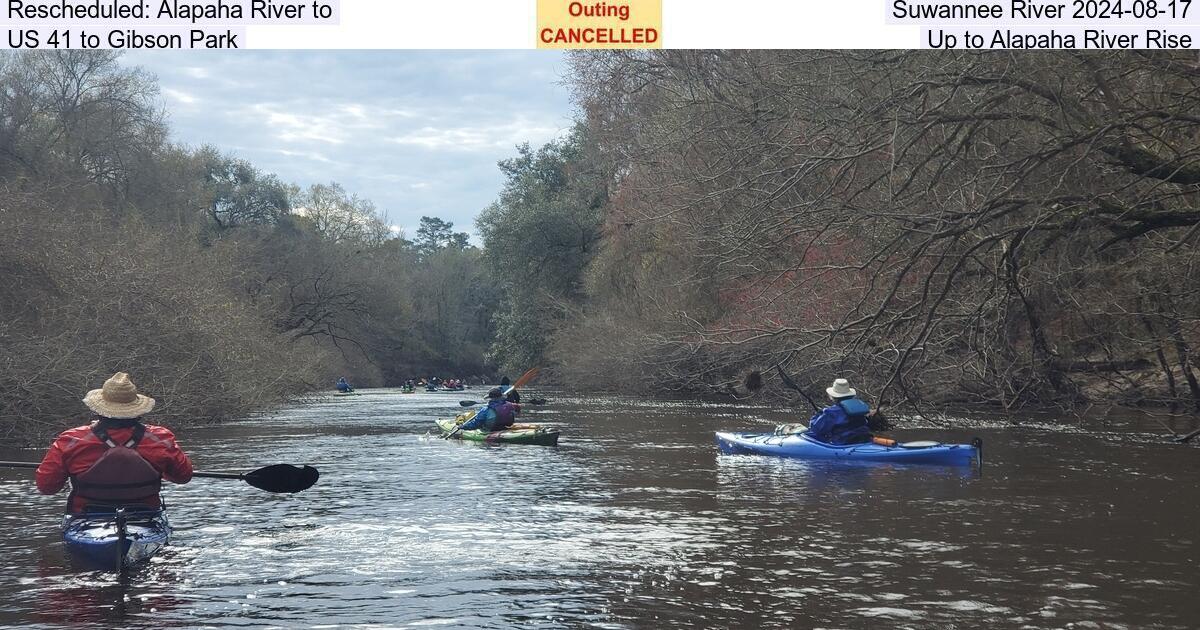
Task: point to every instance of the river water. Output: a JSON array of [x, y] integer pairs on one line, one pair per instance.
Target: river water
[[635, 521]]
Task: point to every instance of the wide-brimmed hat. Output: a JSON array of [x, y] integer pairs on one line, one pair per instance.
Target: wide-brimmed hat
[[495, 392], [841, 389], [118, 399]]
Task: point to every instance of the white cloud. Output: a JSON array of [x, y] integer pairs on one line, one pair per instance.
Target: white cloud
[[294, 127], [355, 111], [181, 96], [478, 138], [418, 133], [308, 155]]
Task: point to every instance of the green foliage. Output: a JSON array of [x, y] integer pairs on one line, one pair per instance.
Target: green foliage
[[540, 236], [241, 194], [435, 234]]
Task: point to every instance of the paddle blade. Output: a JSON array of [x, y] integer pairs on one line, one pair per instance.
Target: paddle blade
[[467, 403], [526, 377], [283, 478]]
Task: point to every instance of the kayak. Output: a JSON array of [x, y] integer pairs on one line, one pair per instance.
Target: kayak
[[117, 541], [517, 434], [801, 446]]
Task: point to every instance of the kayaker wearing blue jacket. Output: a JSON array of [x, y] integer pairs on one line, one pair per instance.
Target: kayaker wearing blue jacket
[[499, 414], [343, 386], [843, 422]]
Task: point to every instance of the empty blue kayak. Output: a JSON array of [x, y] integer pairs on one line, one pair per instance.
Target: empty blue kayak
[[800, 446], [115, 542]]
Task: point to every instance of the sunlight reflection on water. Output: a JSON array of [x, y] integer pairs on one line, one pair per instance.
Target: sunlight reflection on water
[[633, 521]]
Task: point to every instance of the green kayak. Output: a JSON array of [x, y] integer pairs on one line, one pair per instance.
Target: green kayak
[[517, 434]]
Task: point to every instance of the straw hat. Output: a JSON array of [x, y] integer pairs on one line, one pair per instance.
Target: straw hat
[[841, 389], [118, 399]]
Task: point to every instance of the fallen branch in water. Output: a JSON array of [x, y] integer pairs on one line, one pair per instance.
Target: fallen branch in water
[[1187, 438]]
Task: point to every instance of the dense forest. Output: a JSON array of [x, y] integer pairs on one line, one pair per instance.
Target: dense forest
[[947, 228], [222, 289], [1000, 229]]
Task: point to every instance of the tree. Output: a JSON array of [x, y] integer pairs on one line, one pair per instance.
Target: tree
[[949, 226], [76, 113], [436, 234], [341, 217], [541, 234], [240, 194]]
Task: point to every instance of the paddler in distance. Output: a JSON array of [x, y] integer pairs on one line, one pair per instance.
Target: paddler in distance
[[116, 461], [513, 396]]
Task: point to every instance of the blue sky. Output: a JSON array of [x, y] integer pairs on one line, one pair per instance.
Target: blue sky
[[419, 133]]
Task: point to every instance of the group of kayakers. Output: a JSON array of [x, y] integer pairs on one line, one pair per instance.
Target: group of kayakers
[[434, 383], [118, 460]]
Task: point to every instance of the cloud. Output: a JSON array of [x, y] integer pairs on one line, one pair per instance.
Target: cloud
[[308, 155], [478, 138], [181, 96], [291, 126], [417, 132]]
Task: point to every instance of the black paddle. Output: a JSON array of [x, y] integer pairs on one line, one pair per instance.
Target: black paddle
[[787, 380], [281, 478], [876, 422], [531, 401]]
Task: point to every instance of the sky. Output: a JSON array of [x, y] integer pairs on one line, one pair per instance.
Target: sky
[[418, 133]]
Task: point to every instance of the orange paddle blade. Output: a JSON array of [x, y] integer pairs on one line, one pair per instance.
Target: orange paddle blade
[[526, 377]]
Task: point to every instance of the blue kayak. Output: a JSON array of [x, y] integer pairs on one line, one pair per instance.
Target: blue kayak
[[115, 541], [801, 446]]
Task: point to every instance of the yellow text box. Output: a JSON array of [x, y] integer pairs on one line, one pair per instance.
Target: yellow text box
[[599, 24]]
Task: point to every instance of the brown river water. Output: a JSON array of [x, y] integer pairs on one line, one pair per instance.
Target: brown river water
[[635, 521]]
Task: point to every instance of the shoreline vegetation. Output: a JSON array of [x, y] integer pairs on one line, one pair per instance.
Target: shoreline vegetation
[[221, 289], [1013, 231]]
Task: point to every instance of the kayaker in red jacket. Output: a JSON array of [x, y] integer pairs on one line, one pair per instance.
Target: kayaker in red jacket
[[116, 460]]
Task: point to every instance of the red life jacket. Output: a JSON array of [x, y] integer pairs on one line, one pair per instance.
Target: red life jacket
[[120, 477]]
